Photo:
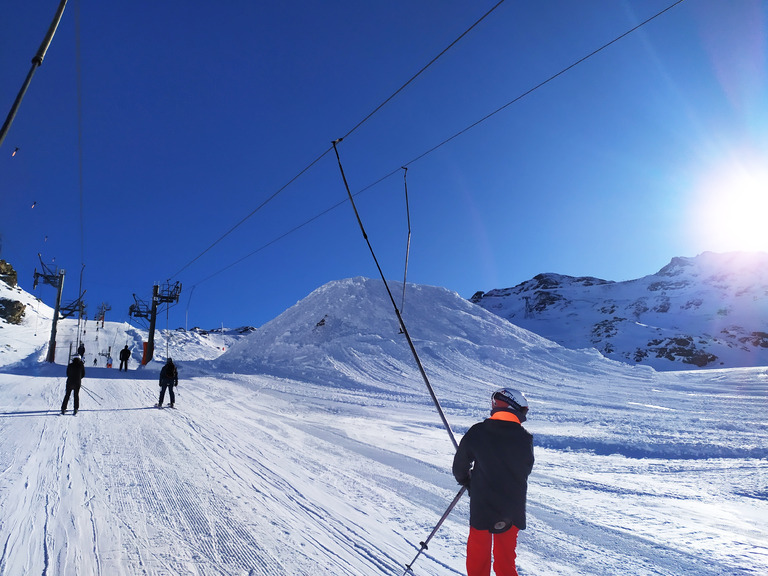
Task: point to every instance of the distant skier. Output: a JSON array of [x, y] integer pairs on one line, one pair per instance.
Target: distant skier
[[81, 350], [125, 355], [75, 375], [493, 461], [169, 377]]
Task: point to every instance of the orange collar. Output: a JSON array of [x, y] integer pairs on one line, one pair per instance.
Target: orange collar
[[507, 416]]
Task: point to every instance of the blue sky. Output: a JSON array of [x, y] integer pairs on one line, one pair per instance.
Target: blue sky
[[193, 114]]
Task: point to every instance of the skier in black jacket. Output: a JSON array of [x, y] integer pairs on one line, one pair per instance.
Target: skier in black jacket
[[494, 460], [75, 374], [169, 377], [125, 355]]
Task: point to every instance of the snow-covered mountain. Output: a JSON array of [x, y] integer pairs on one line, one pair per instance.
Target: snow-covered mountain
[[708, 311], [310, 446]]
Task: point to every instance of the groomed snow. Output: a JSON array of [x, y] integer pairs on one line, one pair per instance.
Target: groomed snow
[[312, 447]]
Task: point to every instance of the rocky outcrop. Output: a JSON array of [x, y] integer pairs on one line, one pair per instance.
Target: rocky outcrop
[[12, 311], [7, 274]]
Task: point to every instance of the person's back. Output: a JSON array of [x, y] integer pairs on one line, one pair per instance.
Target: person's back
[[169, 377], [494, 460], [169, 374], [75, 371], [125, 355], [75, 374], [502, 452]]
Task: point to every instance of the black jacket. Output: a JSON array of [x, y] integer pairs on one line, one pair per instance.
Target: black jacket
[[502, 453], [169, 376], [75, 373], [125, 354]]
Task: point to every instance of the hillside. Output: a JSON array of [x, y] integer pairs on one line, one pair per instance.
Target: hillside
[[311, 447], [708, 311]]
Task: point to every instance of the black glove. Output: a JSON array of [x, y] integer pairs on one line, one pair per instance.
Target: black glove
[[466, 484]]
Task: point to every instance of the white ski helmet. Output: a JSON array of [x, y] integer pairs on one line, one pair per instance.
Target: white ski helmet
[[510, 400]]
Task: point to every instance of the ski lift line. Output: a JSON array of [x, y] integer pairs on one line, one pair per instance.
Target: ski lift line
[[37, 61], [394, 305], [254, 211], [294, 229], [273, 241], [358, 125], [79, 83], [435, 59], [440, 145], [544, 82], [167, 331], [408, 243]]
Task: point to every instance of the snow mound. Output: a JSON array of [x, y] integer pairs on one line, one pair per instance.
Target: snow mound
[[346, 333]]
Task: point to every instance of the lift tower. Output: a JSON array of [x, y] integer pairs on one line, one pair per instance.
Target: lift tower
[[55, 279], [167, 295]]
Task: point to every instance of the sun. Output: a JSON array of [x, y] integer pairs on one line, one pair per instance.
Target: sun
[[730, 207]]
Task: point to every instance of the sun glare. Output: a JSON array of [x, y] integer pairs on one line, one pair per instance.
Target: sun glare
[[730, 210]]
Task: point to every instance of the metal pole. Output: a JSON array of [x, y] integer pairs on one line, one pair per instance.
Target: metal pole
[[80, 312], [435, 529], [36, 62], [52, 343], [152, 322]]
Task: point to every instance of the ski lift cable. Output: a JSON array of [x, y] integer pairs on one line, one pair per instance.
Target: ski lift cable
[[394, 305], [408, 243], [354, 128], [268, 244], [79, 83], [412, 78], [254, 211], [167, 331], [37, 61], [544, 82], [431, 150]]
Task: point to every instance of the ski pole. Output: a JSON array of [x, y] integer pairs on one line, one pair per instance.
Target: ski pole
[[424, 544], [91, 394]]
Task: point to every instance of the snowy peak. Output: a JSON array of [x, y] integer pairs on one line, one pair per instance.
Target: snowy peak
[[347, 329], [710, 310]]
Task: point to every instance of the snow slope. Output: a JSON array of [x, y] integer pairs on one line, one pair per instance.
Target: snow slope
[[312, 447]]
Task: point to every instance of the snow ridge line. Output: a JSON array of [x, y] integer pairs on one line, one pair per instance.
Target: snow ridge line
[[46, 557], [95, 532]]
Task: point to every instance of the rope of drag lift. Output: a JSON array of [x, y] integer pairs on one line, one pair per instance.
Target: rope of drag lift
[[394, 305], [408, 243], [404, 329]]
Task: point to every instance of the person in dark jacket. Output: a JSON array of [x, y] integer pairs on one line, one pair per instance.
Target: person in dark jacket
[[169, 377], [493, 461], [75, 375], [125, 355]]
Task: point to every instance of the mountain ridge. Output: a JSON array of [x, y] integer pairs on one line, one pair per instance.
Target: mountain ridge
[[704, 311]]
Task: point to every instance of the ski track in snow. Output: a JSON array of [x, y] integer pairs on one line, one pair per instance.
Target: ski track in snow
[[324, 455], [240, 480]]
